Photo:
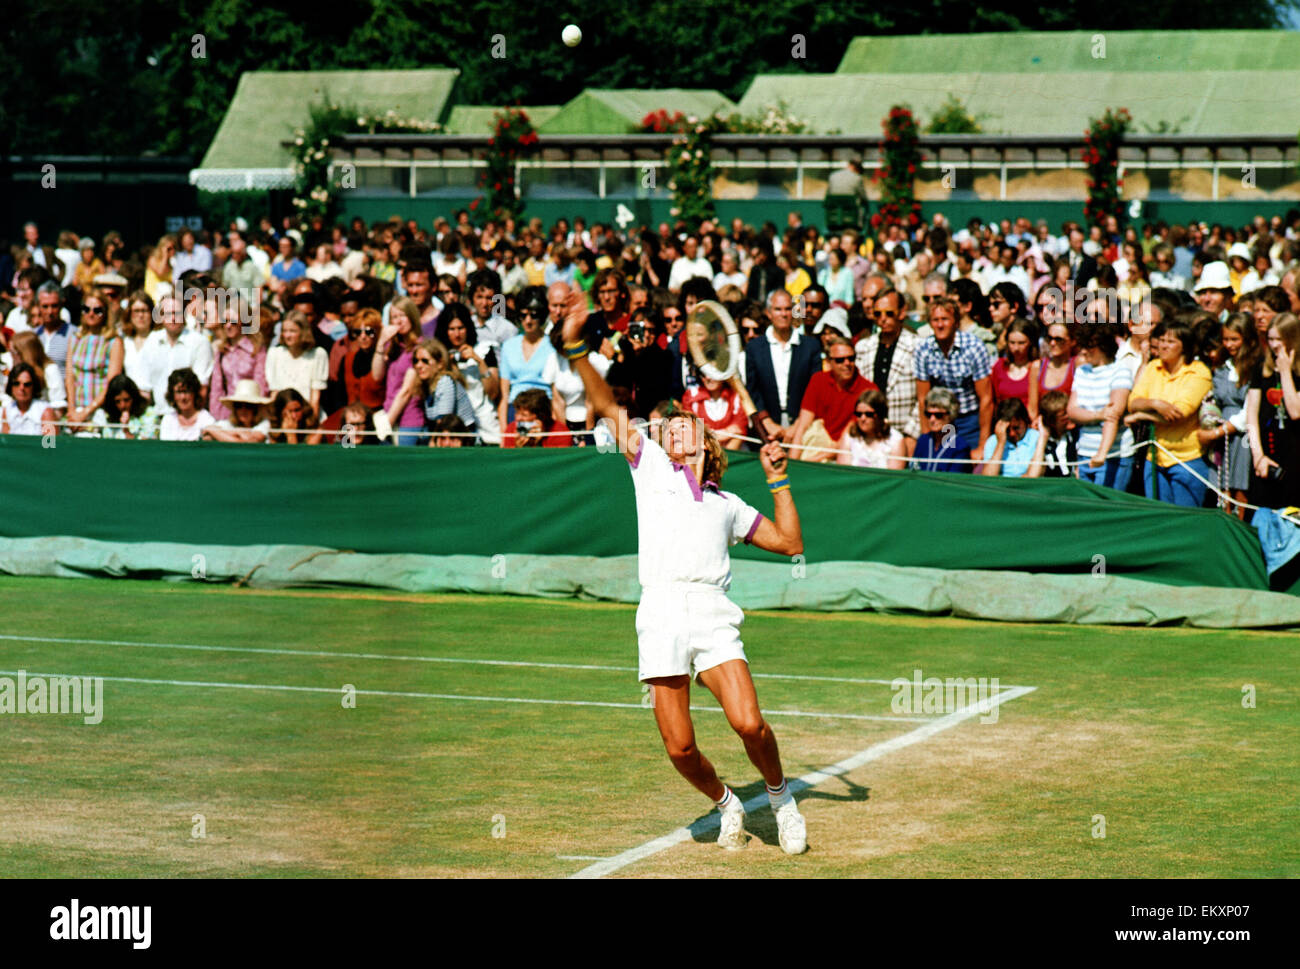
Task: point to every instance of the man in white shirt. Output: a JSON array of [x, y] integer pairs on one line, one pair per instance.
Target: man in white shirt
[[492, 326], [173, 348], [69, 254], [190, 255], [690, 265], [1007, 271]]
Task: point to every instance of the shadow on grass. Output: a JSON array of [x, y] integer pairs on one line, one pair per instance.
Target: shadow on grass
[[760, 822]]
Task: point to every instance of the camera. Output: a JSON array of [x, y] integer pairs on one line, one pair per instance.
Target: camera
[[636, 331]]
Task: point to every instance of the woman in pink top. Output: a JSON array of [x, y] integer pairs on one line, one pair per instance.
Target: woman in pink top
[[1057, 369], [1015, 373], [236, 356], [394, 355]]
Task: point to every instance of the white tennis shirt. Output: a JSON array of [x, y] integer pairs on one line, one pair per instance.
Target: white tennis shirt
[[684, 530]]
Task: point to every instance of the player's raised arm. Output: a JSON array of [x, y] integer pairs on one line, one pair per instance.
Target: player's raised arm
[[599, 396], [782, 534]]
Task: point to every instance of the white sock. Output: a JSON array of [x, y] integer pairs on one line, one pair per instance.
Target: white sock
[[729, 800], [778, 796]]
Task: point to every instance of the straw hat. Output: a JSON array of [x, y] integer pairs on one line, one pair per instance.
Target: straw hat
[[246, 392]]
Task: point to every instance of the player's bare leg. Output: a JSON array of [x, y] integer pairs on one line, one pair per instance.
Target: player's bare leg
[[672, 706], [731, 683]]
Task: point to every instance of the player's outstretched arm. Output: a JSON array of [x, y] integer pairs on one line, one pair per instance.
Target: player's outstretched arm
[[782, 533], [600, 399]]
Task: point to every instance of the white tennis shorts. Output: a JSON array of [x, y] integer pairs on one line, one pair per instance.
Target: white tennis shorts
[[685, 629]]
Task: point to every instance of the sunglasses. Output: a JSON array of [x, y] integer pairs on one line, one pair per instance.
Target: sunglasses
[[931, 298], [842, 359], [883, 314], [673, 318], [425, 360], [362, 331], [864, 413], [532, 313], [92, 311], [939, 414], [1056, 339], [753, 330]]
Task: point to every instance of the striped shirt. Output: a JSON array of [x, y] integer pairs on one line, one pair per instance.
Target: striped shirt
[[966, 362], [1092, 387], [88, 362], [57, 342]]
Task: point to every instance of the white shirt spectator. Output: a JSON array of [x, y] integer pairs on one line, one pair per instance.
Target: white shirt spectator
[[782, 354], [256, 253], [134, 364], [1016, 274], [199, 260], [20, 423], [171, 428], [568, 384], [69, 258], [684, 269], [735, 279], [1162, 280], [307, 372], [162, 357], [495, 330], [318, 274]]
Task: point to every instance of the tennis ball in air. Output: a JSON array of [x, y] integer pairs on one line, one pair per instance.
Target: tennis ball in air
[[572, 35]]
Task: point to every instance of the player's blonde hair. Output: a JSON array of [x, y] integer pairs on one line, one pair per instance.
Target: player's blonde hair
[[715, 456]]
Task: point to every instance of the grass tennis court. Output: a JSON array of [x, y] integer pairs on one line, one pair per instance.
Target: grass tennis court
[[445, 767]]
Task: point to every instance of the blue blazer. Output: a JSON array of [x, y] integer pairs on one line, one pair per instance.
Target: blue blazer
[[760, 378]]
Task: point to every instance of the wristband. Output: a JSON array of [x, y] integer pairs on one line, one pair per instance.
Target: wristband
[[576, 351], [778, 484]]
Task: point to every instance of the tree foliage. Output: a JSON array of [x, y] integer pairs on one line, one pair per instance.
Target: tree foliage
[[84, 77]]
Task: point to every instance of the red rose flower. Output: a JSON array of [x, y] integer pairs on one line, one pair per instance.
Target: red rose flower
[[1274, 395]]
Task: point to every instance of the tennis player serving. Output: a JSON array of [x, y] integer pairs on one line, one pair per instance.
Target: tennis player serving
[[685, 622]]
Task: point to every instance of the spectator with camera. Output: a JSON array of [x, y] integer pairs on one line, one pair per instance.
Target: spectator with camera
[[436, 384], [534, 424]]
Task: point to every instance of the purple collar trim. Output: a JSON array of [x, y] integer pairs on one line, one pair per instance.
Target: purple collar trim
[[691, 480]]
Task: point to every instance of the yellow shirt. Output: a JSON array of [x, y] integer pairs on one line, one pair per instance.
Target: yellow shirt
[[798, 284], [536, 270], [1185, 390]]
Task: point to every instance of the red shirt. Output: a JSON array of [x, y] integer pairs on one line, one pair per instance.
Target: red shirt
[[834, 406], [733, 418], [1004, 388], [560, 440]]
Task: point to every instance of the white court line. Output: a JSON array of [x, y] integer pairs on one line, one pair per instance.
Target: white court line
[[410, 659], [874, 752], [337, 691]]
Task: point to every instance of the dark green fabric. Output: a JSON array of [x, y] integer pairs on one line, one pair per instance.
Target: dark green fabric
[[485, 501]]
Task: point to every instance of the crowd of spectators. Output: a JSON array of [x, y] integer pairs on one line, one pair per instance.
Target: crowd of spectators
[[1162, 360]]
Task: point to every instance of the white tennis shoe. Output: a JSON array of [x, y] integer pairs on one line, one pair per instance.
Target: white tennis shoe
[[791, 829], [732, 835]]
